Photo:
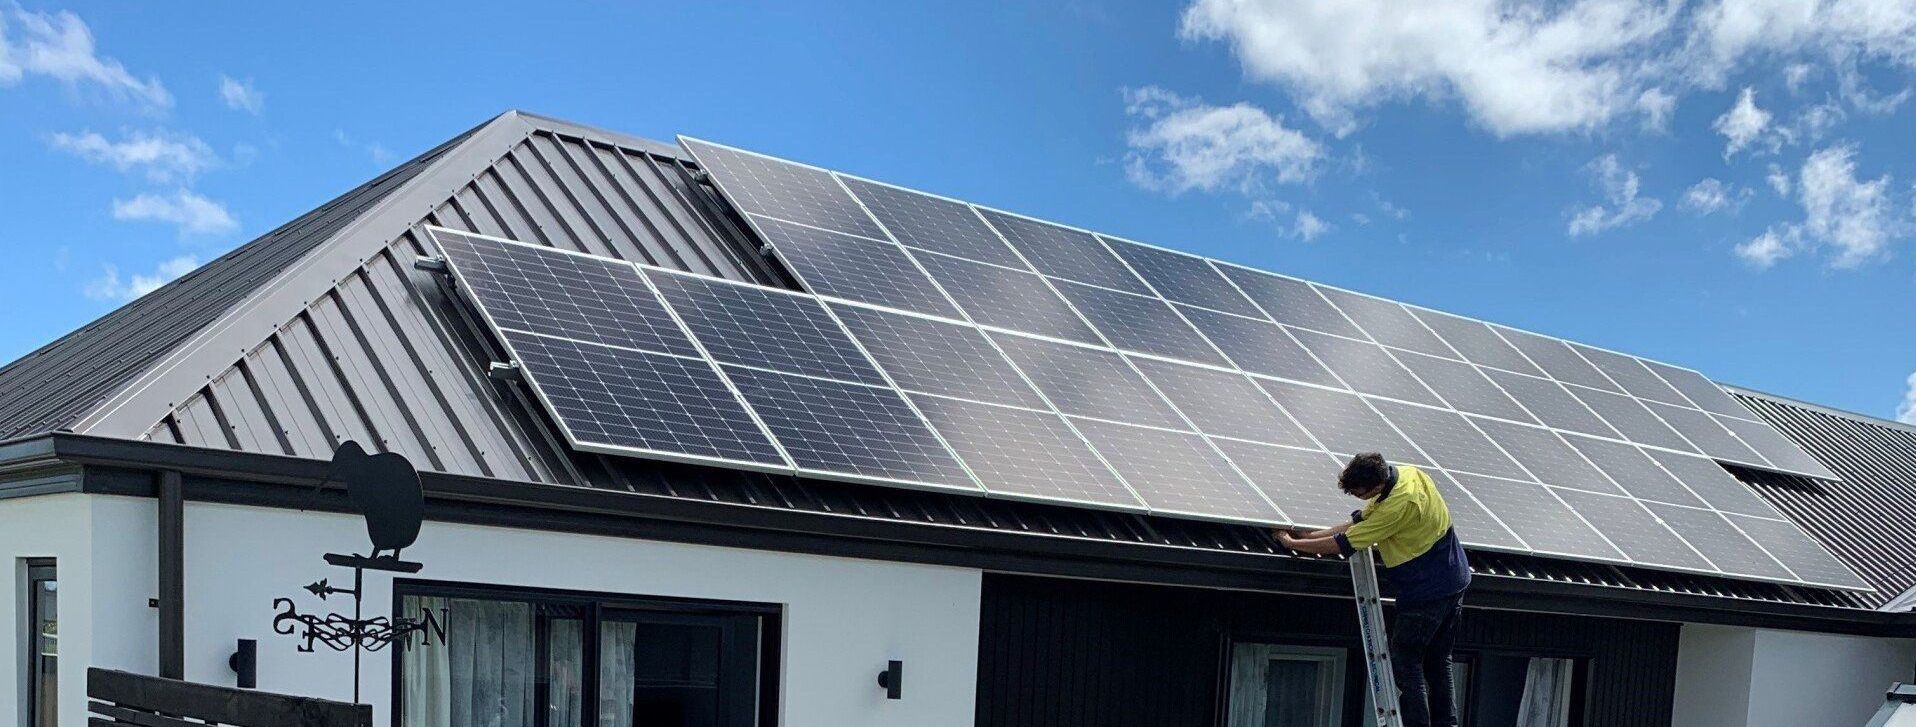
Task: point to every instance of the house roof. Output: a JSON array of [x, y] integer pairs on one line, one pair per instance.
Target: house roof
[[323, 332]]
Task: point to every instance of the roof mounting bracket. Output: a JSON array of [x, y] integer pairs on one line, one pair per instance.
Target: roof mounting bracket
[[432, 265], [700, 175], [766, 250], [505, 372]]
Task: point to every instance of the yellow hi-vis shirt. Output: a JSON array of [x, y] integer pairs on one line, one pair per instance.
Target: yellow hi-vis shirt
[[1404, 524]]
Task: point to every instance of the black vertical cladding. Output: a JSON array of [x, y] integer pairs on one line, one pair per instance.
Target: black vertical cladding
[[1069, 652]]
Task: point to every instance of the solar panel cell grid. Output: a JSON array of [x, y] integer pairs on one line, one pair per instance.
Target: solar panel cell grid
[[1177, 472], [784, 190], [1342, 422], [1635, 531], [1025, 454], [1477, 343], [1302, 481], [1004, 298], [1260, 347], [1780, 451], [842, 429], [1630, 373], [1556, 359], [1797, 551], [854, 268], [1088, 381], [1544, 522], [1062, 252], [1725, 546], [1704, 432], [567, 295], [1463, 387], [1139, 323], [1546, 456], [1388, 323], [1450, 440], [1629, 417], [1715, 485], [1183, 278], [1634, 471], [1292, 301], [1702, 392], [1222, 404], [1551, 403], [933, 223], [1366, 367], [1474, 525], [937, 357], [759, 327]]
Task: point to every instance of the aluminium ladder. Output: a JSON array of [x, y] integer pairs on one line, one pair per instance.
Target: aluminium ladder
[[1370, 622]]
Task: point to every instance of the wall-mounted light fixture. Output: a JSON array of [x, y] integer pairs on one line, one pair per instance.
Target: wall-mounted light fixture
[[245, 663], [893, 679]]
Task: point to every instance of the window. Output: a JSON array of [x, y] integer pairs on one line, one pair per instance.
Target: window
[[567, 660], [42, 644], [1523, 690], [1286, 686]]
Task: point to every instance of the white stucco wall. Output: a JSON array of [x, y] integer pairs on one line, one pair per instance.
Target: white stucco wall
[[844, 618], [1731, 677]]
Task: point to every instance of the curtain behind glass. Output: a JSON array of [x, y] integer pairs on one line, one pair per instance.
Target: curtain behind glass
[[425, 672], [1291, 693], [1546, 694], [565, 667], [482, 676], [1250, 669], [618, 672]]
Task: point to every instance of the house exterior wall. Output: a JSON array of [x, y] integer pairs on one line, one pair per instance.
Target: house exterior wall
[[843, 618], [1761, 678]]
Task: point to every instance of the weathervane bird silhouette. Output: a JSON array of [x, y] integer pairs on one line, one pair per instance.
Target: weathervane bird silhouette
[[385, 488]]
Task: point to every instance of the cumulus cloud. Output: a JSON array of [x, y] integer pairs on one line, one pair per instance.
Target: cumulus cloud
[[1712, 195], [60, 46], [1657, 105], [1293, 221], [1852, 221], [1779, 180], [161, 156], [1744, 124], [1308, 226], [241, 95], [1622, 204], [192, 213], [1179, 144], [1728, 32], [1906, 411], [110, 286]]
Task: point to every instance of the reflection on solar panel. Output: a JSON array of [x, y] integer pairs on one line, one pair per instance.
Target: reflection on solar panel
[[849, 431], [622, 401], [1726, 547], [1794, 548], [1026, 454], [1305, 480], [1474, 524], [764, 328], [555, 293], [1250, 333], [1176, 472], [854, 268]]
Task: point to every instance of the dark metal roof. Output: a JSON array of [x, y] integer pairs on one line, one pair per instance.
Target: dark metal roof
[[374, 351]]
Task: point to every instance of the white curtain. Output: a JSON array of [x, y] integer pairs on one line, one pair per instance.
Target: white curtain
[[1272, 686], [426, 673], [482, 676], [618, 665], [565, 667], [1250, 668], [1546, 694]]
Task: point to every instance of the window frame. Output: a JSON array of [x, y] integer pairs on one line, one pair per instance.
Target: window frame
[[1334, 661], [770, 618], [35, 571]]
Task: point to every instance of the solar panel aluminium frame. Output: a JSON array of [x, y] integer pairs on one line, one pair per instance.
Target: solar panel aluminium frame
[[538, 391], [1100, 237]]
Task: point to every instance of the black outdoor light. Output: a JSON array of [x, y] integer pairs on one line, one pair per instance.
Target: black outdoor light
[[893, 679], [245, 663]]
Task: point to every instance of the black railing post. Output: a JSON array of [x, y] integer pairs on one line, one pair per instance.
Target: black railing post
[[172, 572]]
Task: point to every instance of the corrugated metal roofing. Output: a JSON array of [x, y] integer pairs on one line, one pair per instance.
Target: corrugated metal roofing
[[382, 356]]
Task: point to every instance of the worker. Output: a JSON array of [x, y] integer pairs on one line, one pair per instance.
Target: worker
[[1405, 518]]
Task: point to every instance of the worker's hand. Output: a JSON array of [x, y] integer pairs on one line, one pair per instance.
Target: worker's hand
[[1286, 538]]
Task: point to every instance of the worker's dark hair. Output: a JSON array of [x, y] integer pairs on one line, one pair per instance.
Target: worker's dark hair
[[1365, 471]]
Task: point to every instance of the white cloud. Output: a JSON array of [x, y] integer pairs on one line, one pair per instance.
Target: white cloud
[[1657, 105], [1308, 226], [191, 212], [1743, 124], [1712, 195], [1779, 180], [1775, 244], [109, 285], [1181, 144], [160, 155], [241, 96], [61, 47], [1622, 204], [1906, 411], [1795, 74], [1853, 220], [1730, 31]]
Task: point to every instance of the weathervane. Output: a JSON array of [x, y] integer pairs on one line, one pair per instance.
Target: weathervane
[[385, 489]]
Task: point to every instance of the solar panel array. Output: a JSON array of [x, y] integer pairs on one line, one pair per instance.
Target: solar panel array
[[1094, 370]]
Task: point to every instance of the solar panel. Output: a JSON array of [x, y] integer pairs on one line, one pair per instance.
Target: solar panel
[[1473, 524], [1556, 359], [1062, 252], [1291, 301], [1706, 434], [1546, 456], [1139, 323], [1177, 472], [1463, 387], [1260, 347], [1477, 343], [622, 401], [1551, 403], [764, 327], [1634, 471], [1221, 403], [1794, 548], [1342, 422], [1543, 521], [1728, 548], [1387, 322], [1365, 367], [1004, 298], [1089, 382], [1715, 485], [849, 431], [854, 268], [1304, 480], [1702, 393], [1634, 530], [1448, 439], [1630, 418], [1025, 454], [937, 357], [1781, 452], [933, 223], [1183, 278], [1630, 374], [556, 293], [782, 189]]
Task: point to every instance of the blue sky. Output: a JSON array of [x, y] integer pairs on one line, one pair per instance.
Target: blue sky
[[1724, 185]]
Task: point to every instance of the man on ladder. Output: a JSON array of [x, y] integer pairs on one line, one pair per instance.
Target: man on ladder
[[1405, 518]]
